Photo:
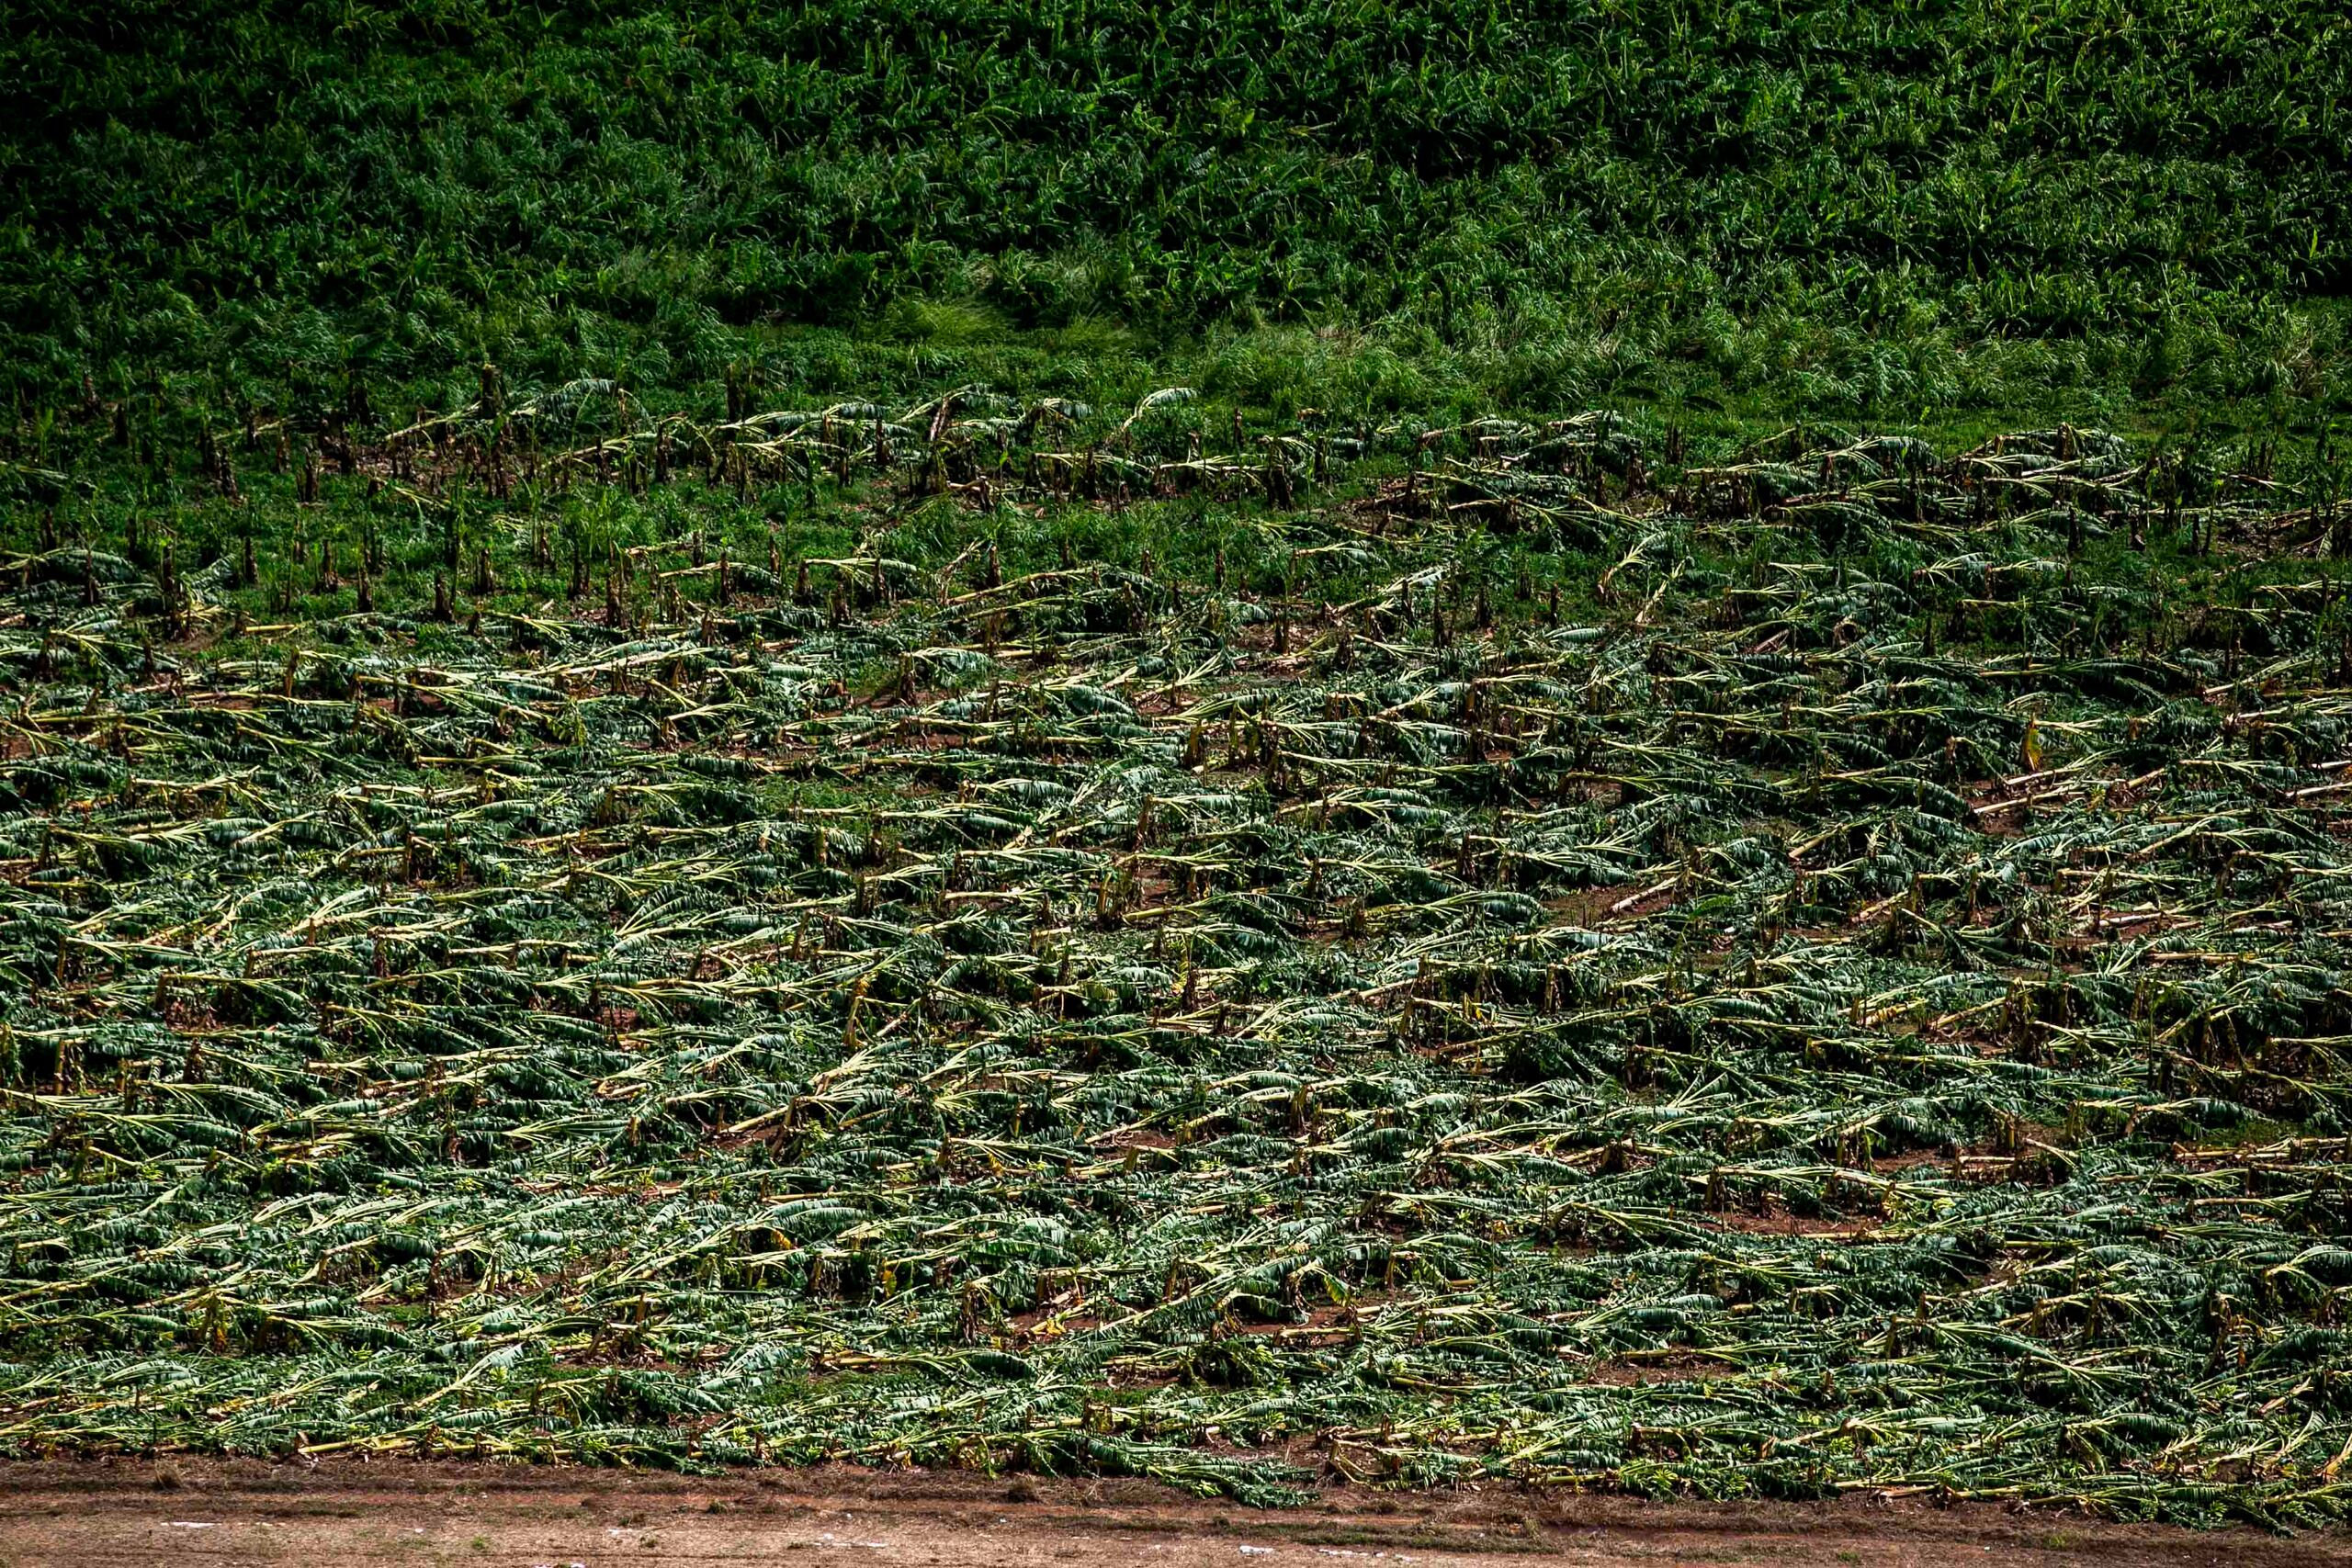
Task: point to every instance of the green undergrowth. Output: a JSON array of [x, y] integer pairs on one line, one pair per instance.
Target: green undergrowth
[[2003, 212]]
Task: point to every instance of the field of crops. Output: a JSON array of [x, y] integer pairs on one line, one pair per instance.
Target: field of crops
[[926, 735], [1005, 934]]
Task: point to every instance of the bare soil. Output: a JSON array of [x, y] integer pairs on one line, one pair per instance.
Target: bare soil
[[192, 1513]]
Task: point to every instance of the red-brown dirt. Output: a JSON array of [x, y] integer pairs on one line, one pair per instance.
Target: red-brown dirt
[[99, 1513]]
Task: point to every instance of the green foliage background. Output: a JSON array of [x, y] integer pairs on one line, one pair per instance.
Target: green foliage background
[[1883, 212]]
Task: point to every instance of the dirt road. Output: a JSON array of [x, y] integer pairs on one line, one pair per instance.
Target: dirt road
[[197, 1514]]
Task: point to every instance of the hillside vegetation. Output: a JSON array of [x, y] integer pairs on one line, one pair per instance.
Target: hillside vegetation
[[1807, 208]]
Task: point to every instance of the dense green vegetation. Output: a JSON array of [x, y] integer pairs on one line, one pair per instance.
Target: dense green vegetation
[[1807, 209]]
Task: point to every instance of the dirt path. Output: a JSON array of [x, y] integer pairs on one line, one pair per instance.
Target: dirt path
[[195, 1514]]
